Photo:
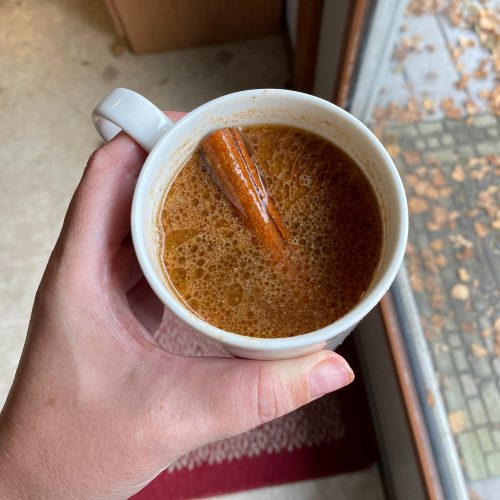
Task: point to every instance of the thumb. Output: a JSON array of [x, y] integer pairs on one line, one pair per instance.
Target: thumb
[[224, 397]]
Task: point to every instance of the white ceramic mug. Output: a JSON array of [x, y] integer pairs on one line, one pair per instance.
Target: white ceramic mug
[[170, 145]]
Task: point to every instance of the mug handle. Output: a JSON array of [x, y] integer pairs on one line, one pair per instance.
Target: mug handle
[[124, 109]]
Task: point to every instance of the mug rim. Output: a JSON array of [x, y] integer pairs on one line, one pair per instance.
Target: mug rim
[[330, 331]]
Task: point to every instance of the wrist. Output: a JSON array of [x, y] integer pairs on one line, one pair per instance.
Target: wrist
[[26, 471], [16, 475], [11, 483]]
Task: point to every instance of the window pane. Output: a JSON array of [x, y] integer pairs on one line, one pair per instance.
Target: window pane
[[436, 108]]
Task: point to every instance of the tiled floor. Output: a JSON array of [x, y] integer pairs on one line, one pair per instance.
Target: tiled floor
[[450, 166], [434, 60], [55, 64]]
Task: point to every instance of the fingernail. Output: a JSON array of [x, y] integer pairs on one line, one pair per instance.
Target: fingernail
[[329, 375]]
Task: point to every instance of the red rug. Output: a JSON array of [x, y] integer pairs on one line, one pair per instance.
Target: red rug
[[329, 436]]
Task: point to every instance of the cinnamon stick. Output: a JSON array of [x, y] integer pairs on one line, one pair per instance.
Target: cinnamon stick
[[239, 178]]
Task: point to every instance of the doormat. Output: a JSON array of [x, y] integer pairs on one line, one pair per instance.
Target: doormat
[[329, 436]]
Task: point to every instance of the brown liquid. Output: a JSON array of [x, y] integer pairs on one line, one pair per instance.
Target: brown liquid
[[222, 274]]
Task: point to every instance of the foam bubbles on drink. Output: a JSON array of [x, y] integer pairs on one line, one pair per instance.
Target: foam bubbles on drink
[[217, 267]]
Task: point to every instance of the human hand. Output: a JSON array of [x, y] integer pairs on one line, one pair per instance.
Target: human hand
[[97, 408]]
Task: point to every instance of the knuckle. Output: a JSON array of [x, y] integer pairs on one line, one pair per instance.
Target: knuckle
[[273, 399], [99, 157]]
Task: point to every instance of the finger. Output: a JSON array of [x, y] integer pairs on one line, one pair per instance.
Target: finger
[[99, 215], [228, 396]]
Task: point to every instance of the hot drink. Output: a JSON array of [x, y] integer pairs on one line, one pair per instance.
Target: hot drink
[[322, 251]]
